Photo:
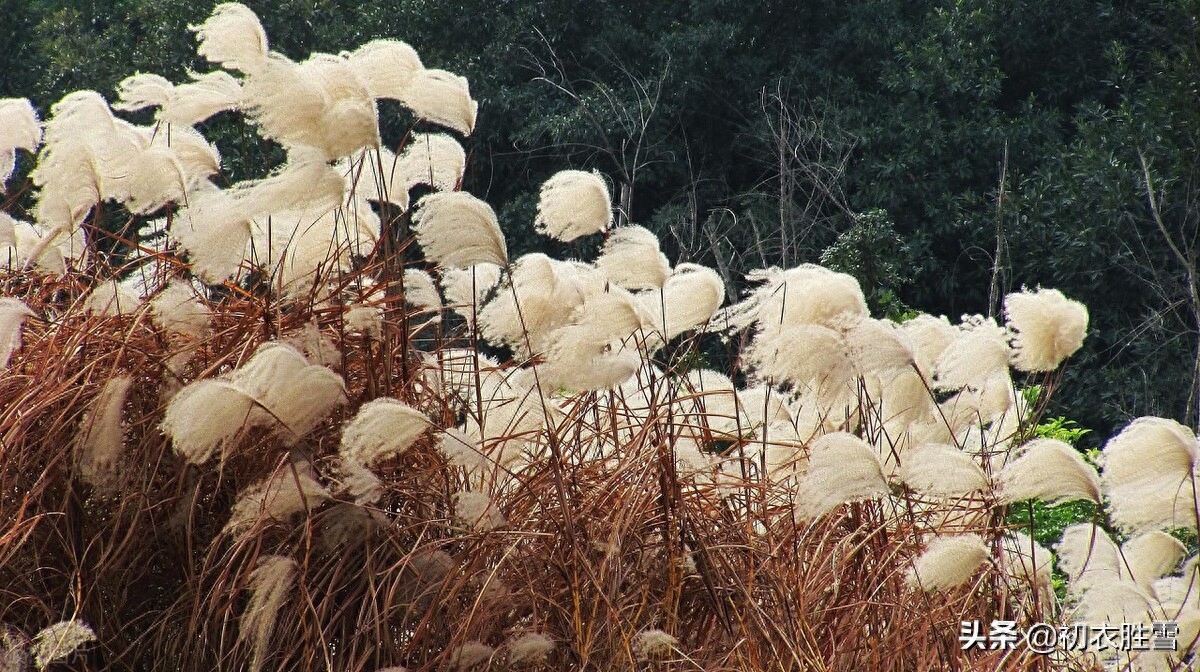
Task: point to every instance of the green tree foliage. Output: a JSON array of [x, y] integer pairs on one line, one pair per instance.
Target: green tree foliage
[[750, 134]]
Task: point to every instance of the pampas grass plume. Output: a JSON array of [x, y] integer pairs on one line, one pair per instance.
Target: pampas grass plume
[[456, 229], [529, 648], [947, 562], [1050, 470], [689, 298], [1048, 328], [19, 129], [842, 468], [942, 470], [653, 643], [631, 259], [470, 654], [1148, 475], [1150, 555], [433, 159], [143, 90], [101, 438], [978, 352], [203, 97], [270, 583], [477, 511], [233, 37], [13, 314], [573, 203], [59, 641], [289, 491], [382, 429], [204, 415], [442, 98], [386, 66]]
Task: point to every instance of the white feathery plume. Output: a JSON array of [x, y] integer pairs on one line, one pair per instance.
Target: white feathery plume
[[930, 336], [319, 104], [157, 178], [1151, 555], [367, 320], [286, 492], [948, 561], [1050, 470], [631, 259], [716, 404], [842, 468], [456, 229], [317, 346], [387, 67], [466, 288], [806, 294], [203, 415], [288, 390], [1088, 556], [232, 37], [981, 403], [1025, 559], [653, 643], [14, 649], [178, 310], [573, 203], [197, 158], [442, 98], [419, 290], [143, 90], [470, 654], [19, 129], [59, 641], [374, 175], [213, 230], [303, 248], [1047, 326], [460, 450], [382, 429], [878, 347], [979, 351], [357, 481], [1149, 475], [548, 291], [942, 471], [101, 438], [529, 648], [590, 353], [477, 511], [270, 583], [434, 159], [13, 314], [688, 300], [1115, 602], [206, 95], [38, 246], [810, 356]]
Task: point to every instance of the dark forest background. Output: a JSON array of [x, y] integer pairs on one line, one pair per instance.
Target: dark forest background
[[943, 152]]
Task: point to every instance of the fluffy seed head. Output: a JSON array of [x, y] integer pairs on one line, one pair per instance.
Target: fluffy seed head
[[942, 471], [289, 491], [978, 352], [456, 229], [101, 437], [178, 310], [290, 391], [1150, 555], [233, 37], [689, 298], [442, 98], [59, 641], [1050, 470], [1048, 327], [203, 97], [529, 648], [930, 336], [13, 314], [434, 159], [806, 294], [19, 129], [573, 203], [470, 654], [948, 561], [477, 511], [204, 415], [143, 90], [842, 468], [386, 66], [548, 291], [653, 643], [1025, 559], [270, 584], [1148, 475], [382, 429], [631, 259], [419, 290]]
